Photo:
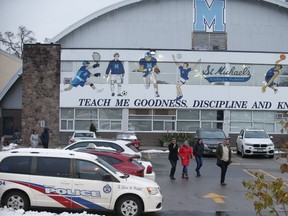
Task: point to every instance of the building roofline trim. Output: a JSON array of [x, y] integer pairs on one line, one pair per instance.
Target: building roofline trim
[[10, 83], [3, 52], [91, 17]]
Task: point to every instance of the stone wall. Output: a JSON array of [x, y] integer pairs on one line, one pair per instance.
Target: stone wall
[[40, 90]]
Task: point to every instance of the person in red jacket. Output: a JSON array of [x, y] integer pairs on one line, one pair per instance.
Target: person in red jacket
[[185, 153]]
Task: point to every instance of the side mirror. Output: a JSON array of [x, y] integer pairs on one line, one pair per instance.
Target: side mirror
[[271, 137]]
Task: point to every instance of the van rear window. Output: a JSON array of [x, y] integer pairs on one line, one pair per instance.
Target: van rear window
[[16, 164]]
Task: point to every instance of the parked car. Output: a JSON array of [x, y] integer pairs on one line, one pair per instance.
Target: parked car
[[253, 141], [211, 138], [82, 135], [130, 136], [148, 169], [43, 178], [119, 145], [122, 162]]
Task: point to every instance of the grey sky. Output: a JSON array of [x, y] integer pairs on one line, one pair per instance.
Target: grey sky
[[46, 18]]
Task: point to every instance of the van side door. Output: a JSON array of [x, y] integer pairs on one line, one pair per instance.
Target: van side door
[[51, 181], [91, 191]]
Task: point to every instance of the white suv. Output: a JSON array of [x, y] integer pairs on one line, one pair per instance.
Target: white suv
[[82, 135], [122, 146], [72, 180], [254, 142]]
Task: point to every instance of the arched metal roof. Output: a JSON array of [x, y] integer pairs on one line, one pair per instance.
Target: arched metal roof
[[93, 16], [123, 4]]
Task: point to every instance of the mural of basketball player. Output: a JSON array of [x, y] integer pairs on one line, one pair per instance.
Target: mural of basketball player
[[116, 70], [271, 75], [82, 75], [184, 72], [148, 66]]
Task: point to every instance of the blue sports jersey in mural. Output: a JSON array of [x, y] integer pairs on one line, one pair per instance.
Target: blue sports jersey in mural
[[116, 67], [270, 74], [147, 65], [184, 72], [82, 75]]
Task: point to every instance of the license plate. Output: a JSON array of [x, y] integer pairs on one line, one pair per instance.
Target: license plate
[[260, 149]]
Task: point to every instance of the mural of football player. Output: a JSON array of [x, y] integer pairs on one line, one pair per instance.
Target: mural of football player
[[82, 75], [115, 72], [148, 67], [272, 74], [184, 72]]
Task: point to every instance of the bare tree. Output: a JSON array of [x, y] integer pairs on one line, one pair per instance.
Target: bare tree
[[14, 43]]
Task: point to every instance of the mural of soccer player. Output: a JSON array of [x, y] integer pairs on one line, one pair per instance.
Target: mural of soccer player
[[271, 75], [82, 75], [148, 65], [115, 71], [184, 72]]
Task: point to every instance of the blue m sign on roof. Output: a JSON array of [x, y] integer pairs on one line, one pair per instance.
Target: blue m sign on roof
[[209, 16]]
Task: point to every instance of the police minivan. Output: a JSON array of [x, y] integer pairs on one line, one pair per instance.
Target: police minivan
[[72, 180]]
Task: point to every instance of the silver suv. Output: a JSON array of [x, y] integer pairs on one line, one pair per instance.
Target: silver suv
[[253, 141]]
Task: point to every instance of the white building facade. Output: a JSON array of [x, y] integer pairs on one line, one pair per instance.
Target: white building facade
[[237, 41]]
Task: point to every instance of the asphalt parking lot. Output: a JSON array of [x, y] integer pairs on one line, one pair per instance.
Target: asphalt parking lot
[[204, 195]]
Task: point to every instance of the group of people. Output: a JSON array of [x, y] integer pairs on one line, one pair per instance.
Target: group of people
[[44, 138], [186, 153]]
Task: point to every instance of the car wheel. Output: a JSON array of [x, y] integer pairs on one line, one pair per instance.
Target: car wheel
[[237, 150], [17, 200], [271, 156], [242, 153], [129, 205]]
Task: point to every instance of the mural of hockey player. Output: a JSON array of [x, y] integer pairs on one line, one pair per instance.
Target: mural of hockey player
[[272, 74], [148, 65], [117, 74], [82, 75], [184, 72]]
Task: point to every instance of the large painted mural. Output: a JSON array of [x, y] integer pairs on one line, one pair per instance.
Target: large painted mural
[[172, 82]]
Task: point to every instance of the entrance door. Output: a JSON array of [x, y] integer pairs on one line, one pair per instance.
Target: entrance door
[[8, 126]]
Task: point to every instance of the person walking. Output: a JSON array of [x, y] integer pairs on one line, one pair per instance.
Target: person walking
[[198, 152], [173, 157], [223, 155], [34, 139], [45, 137], [185, 153]]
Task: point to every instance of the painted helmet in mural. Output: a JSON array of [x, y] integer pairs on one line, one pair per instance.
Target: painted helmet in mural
[[85, 63], [148, 54]]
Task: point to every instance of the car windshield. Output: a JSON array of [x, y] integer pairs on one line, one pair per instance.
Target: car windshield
[[256, 134], [131, 146], [212, 134], [108, 166], [83, 135]]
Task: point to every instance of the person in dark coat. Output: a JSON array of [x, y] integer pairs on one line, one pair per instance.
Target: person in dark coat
[[223, 154], [45, 137], [173, 157], [198, 152]]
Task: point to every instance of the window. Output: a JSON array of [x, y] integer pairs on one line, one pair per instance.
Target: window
[[67, 119], [55, 167], [258, 119], [209, 41], [16, 164], [89, 170], [110, 160]]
